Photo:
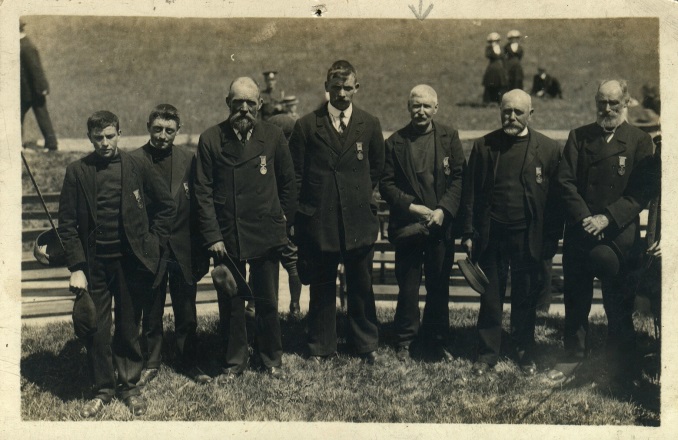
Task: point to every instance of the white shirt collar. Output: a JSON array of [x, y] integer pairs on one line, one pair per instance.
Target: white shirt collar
[[609, 134], [334, 113], [249, 134]]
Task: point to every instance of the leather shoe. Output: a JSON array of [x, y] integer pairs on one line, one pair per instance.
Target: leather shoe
[[295, 308], [443, 354], [529, 369], [402, 353], [198, 376], [370, 357], [146, 376], [228, 376], [555, 375], [92, 408], [136, 404], [480, 368], [275, 372]]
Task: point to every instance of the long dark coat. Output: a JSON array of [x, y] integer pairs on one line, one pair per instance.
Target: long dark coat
[[543, 219], [239, 204], [336, 183], [593, 181], [142, 191], [184, 239], [495, 75], [399, 185], [33, 79]]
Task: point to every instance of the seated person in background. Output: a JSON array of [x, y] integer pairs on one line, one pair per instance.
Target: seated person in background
[[545, 85]]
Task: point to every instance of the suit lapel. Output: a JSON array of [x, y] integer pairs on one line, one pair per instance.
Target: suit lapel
[[230, 144], [254, 147], [530, 154], [441, 138], [404, 156], [355, 129], [178, 171], [87, 181], [599, 149], [323, 127]]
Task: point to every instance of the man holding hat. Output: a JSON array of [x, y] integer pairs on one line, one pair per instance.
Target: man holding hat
[[185, 261], [115, 215], [422, 184], [604, 185], [246, 194], [511, 221]]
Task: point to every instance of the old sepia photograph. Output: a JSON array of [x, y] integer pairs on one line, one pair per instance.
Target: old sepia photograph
[[330, 220]]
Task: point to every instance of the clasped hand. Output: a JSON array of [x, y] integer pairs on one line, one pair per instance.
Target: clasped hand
[[432, 217], [595, 224]]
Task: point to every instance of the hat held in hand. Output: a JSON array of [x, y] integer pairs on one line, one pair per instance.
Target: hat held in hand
[[224, 282], [605, 260], [47, 249], [475, 277], [84, 315]]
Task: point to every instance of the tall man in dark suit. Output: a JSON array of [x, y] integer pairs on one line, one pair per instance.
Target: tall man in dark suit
[[422, 184], [511, 222], [246, 194], [605, 185], [113, 250], [338, 153], [184, 262], [34, 89]]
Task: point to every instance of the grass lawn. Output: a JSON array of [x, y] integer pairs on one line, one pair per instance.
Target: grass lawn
[[130, 64], [54, 383]]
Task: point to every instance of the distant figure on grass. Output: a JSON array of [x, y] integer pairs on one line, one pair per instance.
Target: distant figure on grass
[[338, 153], [34, 89], [605, 183], [289, 256], [545, 85], [271, 96], [113, 249], [184, 262], [494, 79], [422, 183], [513, 51], [246, 195], [511, 221]]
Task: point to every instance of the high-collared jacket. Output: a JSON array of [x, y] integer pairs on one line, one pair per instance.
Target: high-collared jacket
[[538, 178], [246, 194], [184, 238], [337, 209], [597, 177], [399, 185], [143, 191]]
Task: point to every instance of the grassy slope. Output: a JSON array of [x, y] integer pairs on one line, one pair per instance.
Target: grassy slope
[[128, 65], [54, 383]]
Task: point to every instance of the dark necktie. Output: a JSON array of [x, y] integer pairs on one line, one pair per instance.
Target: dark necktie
[[342, 125]]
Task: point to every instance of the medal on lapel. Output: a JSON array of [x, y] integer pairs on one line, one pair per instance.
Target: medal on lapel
[[140, 203], [540, 176], [188, 195], [262, 165], [446, 165], [622, 165], [359, 150]]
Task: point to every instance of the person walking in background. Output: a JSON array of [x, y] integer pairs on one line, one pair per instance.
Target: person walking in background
[[606, 181], [34, 89], [513, 53], [422, 183], [494, 79], [246, 195], [113, 249], [511, 220], [184, 262], [338, 153]]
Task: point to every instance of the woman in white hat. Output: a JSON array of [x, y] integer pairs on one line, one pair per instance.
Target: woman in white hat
[[494, 79], [513, 52]]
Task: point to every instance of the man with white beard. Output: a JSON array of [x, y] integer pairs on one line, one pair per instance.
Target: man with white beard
[[604, 185]]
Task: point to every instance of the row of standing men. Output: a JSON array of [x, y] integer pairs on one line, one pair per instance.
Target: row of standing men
[[131, 223]]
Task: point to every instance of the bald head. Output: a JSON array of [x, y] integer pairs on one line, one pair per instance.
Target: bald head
[[422, 105], [244, 103], [516, 111]]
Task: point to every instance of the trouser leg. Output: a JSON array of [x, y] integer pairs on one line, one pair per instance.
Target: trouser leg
[[437, 266], [322, 309], [44, 122], [621, 335], [408, 262], [288, 259], [232, 322], [545, 284], [577, 296], [360, 306], [99, 354], [524, 274], [264, 281], [151, 322], [185, 316]]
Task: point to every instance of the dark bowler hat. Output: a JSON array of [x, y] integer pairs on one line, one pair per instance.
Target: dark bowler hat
[[48, 251], [84, 315], [224, 282], [606, 260], [474, 275], [270, 74]]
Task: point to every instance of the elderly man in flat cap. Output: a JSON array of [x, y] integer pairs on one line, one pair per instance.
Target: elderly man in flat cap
[[422, 185], [604, 183], [246, 194], [511, 222]]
